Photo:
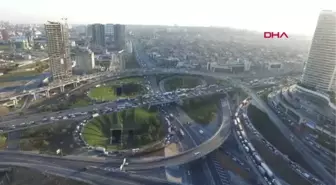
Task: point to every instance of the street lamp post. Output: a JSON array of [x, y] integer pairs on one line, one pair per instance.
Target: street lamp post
[[111, 136]]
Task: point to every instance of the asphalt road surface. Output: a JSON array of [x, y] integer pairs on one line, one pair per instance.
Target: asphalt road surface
[[305, 152]]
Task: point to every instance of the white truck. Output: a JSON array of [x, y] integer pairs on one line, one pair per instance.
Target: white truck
[[267, 169], [95, 115]]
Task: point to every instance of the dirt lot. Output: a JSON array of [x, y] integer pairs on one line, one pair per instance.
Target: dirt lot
[[25, 176], [49, 138]]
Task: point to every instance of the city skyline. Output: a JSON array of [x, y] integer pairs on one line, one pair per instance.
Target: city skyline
[[262, 17]]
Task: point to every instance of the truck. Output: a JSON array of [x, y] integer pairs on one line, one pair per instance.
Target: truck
[[100, 149], [257, 158], [181, 132], [95, 115], [306, 175], [276, 182], [261, 170], [243, 134], [267, 169], [240, 127], [251, 147]]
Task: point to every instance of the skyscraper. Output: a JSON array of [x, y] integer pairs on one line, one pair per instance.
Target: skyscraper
[[58, 50], [89, 30], [109, 29], [98, 35], [320, 68], [119, 36]]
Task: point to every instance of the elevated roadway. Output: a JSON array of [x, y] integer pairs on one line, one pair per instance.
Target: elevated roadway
[[205, 148], [126, 73], [158, 99], [91, 176], [306, 153]]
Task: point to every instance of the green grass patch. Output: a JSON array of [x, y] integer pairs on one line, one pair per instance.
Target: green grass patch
[[3, 138], [5, 47], [127, 80], [182, 82], [108, 92], [80, 103], [266, 127], [202, 110], [18, 74], [137, 127]]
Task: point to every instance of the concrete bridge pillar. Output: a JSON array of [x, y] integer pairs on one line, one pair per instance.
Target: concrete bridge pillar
[[34, 95], [47, 93], [62, 88], [15, 101]]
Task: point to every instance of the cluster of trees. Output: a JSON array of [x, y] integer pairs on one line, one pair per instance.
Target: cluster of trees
[[182, 82], [45, 138], [130, 89], [54, 107], [8, 68], [144, 124], [203, 110], [41, 66]]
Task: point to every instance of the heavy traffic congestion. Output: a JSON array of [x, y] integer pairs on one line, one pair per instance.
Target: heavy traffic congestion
[[121, 104], [253, 155]]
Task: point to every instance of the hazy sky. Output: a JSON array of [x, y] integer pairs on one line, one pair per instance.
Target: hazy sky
[[293, 16]]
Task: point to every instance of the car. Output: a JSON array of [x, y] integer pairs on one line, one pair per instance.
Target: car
[[196, 153]]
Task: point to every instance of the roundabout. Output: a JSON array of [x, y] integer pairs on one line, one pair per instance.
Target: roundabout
[[189, 155]]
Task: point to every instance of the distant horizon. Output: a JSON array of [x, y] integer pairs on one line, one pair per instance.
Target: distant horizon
[[162, 25], [295, 17]]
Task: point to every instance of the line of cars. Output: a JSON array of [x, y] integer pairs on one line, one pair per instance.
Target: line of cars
[[124, 103], [297, 168], [280, 111], [263, 168], [45, 120]]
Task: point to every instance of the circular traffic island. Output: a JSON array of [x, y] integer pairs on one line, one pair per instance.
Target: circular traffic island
[[131, 128], [176, 82], [117, 89]]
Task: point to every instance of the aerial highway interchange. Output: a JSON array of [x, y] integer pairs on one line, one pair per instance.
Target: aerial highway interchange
[[199, 148]]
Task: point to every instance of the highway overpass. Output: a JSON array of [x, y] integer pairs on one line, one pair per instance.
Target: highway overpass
[[115, 75]]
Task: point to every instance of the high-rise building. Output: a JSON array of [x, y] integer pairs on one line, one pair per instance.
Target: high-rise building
[[109, 29], [58, 50], [85, 60], [98, 35], [320, 68], [119, 36], [89, 30]]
